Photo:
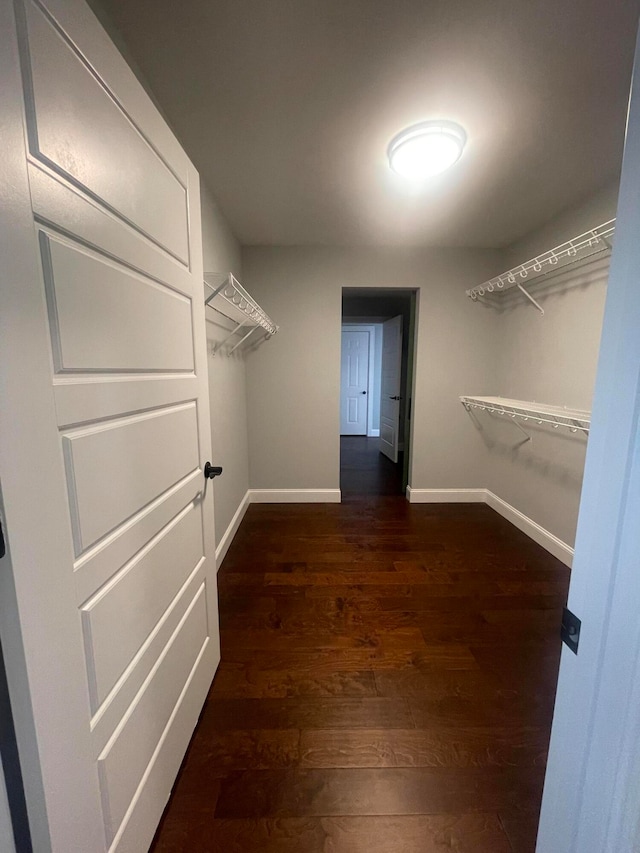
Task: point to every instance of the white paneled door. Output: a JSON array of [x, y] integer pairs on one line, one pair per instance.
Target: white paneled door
[[108, 607], [390, 387], [354, 383]]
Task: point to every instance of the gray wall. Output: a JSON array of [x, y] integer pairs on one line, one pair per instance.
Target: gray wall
[[293, 381], [227, 376], [462, 348], [549, 359]]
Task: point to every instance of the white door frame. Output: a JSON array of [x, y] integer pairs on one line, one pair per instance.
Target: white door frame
[[391, 449], [364, 327], [592, 786]]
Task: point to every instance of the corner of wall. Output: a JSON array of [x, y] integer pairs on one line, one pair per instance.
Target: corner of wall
[[227, 385]]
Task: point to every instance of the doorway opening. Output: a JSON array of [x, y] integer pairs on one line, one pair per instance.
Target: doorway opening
[[376, 378]]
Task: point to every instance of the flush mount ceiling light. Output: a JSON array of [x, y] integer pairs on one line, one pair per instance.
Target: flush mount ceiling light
[[426, 149]]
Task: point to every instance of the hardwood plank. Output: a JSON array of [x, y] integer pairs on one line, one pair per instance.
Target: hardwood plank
[[279, 835], [225, 714], [473, 833], [297, 618], [324, 661], [421, 599], [438, 684], [358, 578], [214, 752], [444, 746], [419, 834], [245, 681], [417, 592], [348, 637], [521, 829], [489, 709], [514, 618], [434, 574], [408, 790]]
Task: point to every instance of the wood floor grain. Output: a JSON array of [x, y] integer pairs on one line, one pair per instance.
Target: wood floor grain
[[376, 791], [417, 834], [387, 684]]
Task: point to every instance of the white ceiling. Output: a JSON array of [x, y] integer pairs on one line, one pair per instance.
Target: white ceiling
[[286, 108]]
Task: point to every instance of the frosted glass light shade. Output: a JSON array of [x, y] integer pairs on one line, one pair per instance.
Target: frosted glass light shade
[[426, 149]]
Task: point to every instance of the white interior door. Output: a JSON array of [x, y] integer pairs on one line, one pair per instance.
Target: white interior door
[[354, 383], [592, 785], [108, 608], [390, 387]]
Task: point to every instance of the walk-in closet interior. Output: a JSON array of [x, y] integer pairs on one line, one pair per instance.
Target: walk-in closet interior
[[233, 617]]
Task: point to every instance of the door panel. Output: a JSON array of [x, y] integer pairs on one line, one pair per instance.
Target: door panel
[[108, 610], [94, 226], [144, 456], [95, 566], [82, 131], [128, 755], [390, 387], [122, 614], [107, 318], [118, 702], [354, 383]]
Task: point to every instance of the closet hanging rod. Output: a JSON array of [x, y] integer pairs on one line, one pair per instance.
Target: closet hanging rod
[[228, 289], [575, 420], [592, 242]]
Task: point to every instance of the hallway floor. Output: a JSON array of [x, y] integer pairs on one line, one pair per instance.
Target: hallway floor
[[366, 471], [386, 686]]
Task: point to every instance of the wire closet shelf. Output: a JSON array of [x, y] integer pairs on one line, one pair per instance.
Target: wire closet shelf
[[592, 242], [229, 298], [575, 420]]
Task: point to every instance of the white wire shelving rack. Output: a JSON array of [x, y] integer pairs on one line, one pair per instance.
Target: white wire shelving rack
[[593, 242], [229, 298], [521, 412]]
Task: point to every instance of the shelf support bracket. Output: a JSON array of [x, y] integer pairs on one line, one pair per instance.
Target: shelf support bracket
[[216, 291], [242, 340], [231, 334], [530, 298], [522, 430]]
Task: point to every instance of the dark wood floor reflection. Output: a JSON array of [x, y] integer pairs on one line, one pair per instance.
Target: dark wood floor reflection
[[366, 471], [386, 686]]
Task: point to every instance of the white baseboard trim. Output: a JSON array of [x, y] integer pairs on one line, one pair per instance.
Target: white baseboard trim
[[539, 534], [373, 433], [445, 496], [232, 529], [295, 496], [533, 530]]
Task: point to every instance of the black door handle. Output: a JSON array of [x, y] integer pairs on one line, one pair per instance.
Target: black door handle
[[211, 471], [395, 398], [363, 392]]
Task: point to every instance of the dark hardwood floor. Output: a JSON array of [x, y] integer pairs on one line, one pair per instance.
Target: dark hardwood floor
[[366, 471], [386, 686]]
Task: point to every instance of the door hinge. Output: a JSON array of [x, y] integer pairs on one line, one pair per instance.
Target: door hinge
[[570, 631]]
